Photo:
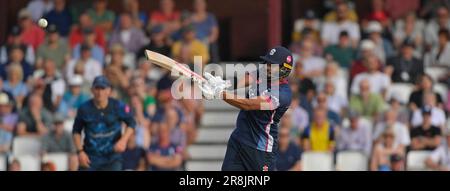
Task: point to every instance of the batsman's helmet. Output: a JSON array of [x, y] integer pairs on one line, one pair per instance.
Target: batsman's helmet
[[282, 57]]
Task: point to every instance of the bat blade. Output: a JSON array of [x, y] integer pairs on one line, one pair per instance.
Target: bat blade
[[172, 65]]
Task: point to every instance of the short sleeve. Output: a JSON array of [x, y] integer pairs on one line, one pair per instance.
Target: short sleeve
[[126, 115], [79, 123]]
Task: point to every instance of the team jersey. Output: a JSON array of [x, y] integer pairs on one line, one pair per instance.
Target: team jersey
[[102, 127], [259, 128]]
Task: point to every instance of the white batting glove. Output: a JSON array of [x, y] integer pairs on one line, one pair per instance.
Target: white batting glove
[[207, 90], [217, 84]]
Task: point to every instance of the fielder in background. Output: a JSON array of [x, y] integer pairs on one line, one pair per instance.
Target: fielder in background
[[101, 120], [254, 143]]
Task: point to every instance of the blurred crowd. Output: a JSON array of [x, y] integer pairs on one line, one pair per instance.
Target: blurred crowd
[[375, 83], [46, 73]]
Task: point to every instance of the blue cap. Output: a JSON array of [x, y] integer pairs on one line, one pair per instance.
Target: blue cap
[[101, 82], [278, 55]]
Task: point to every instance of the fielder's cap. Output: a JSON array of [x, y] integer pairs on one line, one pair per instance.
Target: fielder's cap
[[4, 99], [310, 14], [24, 14], [76, 80], [279, 55], [374, 27], [101, 82], [16, 31], [52, 29], [58, 118], [426, 110]]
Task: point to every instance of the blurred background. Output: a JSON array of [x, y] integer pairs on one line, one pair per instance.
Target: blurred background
[[370, 82]]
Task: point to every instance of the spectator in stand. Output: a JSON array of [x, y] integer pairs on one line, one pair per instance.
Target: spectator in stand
[[437, 114], [357, 137], [73, 97], [59, 140], [336, 103], [334, 74], [343, 22], [77, 34], [130, 37], [400, 108], [405, 68], [186, 49], [14, 40], [206, 28], [366, 103], [383, 47], [54, 86], [383, 151], [39, 8], [166, 16], [439, 158], [34, 119], [312, 66], [378, 14], [157, 43], [17, 58], [289, 155], [143, 123], [401, 132], [60, 17], [343, 52], [164, 155], [117, 73], [425, 136], [424, 85], [15, 84], [322, 102], [54, 48], [300, 118], [367, 48], [8, 121], [379, 82], [139, 18], [308, 25], [440, 54], [336, 10], [31, 33], [442, 21], [410, 28], [319, 135], [91, 67], [399, 8], [97, 52], [307, 94], [101, 16], [133, 157]]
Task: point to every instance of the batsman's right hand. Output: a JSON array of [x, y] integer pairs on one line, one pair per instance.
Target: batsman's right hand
[[83, 158]]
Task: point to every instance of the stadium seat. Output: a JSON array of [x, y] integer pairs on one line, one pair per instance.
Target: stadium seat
[[317, 161], [26, 146], [68, 125], [3, 163], [207, 151], [203, 166], [415, 160], [351, 161], [61, 160], [441, 89], [29, 163], [401, 91], [435, 72]]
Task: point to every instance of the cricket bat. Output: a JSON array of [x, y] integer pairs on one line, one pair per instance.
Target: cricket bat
[[173, 66]]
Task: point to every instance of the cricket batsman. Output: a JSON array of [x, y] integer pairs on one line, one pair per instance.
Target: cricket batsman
[[253, 143], [101, 120]]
